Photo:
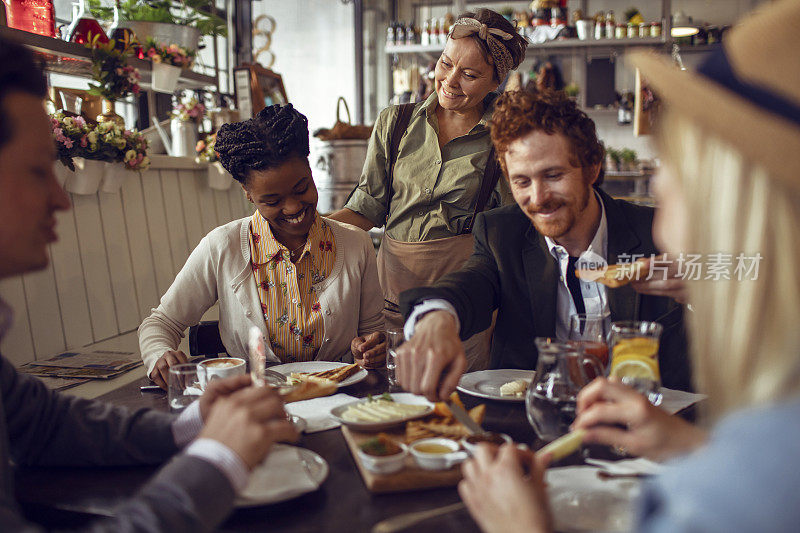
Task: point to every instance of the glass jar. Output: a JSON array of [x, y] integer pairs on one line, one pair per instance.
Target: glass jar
[[644, 29], [655, 29], [633, 30], [620, 32]]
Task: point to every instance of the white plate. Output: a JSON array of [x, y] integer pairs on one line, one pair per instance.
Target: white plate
[[319, 366], [487, 383], [581, 501], [316, 467], [399, 397]]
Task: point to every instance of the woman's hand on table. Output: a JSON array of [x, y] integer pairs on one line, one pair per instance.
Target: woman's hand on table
[[369, 351], [160, 372], [504, 489], [432, 362], [249, 421], [617, 415]]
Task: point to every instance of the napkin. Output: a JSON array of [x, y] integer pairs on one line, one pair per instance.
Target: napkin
[[673, 401], [317, 411], [280, 477], [639, 465]]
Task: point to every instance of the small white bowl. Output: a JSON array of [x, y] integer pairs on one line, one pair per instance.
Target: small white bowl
[[438, 461], [385, 464], [472, 447]]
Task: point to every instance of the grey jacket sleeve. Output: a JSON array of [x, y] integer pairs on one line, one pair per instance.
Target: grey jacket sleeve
[[42, 427], [46, 428]]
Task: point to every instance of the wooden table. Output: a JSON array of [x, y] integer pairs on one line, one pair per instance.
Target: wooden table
[[63, 496]]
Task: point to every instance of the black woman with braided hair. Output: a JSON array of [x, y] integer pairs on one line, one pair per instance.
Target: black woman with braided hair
[[310, 284]]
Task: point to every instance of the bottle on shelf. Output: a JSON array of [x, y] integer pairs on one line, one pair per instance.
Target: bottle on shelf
[[435, 31], [411, 34], [120, 35], [34, 16], [610, 24], [84, 26], [400, 34], [390, 34], [425, 36], [447, 23]]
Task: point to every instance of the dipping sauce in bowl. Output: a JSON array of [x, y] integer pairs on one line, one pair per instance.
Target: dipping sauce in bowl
[[433, 448], [488, 438]]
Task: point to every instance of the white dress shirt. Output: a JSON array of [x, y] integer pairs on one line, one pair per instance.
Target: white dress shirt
[[594, 294]]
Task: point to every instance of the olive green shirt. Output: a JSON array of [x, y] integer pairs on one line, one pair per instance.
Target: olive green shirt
[[434, 190]]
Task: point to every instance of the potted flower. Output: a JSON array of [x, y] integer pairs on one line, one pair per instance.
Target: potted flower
[[612, 159], [175, 21], [218, 177], [113, 77], [627, 159], [133, 156], [167, 63], [84, 148], [186, 117]]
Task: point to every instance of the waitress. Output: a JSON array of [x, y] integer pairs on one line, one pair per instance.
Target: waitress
[[430, 167]]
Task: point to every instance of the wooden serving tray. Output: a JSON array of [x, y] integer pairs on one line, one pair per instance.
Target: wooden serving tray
[[411, 477]]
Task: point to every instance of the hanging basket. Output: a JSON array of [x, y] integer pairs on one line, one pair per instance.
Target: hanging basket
[[86, 177], [113, 176], [344, 130], [62, 172], [165, 78], [219, 178]]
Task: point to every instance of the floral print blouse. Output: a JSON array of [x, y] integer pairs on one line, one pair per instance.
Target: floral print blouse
[[289, 302]]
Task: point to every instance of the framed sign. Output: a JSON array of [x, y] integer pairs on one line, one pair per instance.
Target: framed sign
[[256, 88]]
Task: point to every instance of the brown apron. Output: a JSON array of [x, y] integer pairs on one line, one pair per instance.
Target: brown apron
[[406, 265]]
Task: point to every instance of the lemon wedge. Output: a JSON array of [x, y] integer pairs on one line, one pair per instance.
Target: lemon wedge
[[634, 369]]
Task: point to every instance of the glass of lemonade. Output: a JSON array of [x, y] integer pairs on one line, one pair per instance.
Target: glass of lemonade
[[634, 356]]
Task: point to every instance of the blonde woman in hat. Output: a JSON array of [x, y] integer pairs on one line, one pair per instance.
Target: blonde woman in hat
[[428, 184], [730, 140]]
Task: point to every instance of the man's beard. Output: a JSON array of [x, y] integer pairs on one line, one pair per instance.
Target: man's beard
[[565, 222]]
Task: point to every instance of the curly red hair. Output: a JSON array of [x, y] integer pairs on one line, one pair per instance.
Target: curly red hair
[[518, 113]]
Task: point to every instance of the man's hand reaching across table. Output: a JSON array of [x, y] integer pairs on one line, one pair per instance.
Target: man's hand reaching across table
[[432, 362]]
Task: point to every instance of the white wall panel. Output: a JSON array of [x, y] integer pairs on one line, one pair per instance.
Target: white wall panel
[[119, 261], [70, 283], [144, 275], [46, 329], [189, 182], [95, 266], [157, 226], [17, 344], [176, 224]]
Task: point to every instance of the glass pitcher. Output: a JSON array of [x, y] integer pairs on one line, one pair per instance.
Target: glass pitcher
[[551, 397]]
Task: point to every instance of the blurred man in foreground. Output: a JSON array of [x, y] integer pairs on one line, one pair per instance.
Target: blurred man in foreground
[[228, 431]]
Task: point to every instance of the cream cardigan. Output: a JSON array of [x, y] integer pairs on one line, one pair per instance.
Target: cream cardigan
[[219, 270]]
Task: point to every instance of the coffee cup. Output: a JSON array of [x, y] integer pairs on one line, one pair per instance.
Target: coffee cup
[[219, 368]]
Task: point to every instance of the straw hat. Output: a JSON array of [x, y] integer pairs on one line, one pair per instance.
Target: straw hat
[[748, 92]]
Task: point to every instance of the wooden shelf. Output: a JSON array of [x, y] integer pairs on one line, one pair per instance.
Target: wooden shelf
[[73, 59], [558, 44]]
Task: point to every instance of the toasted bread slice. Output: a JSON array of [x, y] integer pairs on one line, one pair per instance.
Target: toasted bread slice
[[614, 276], [310, 387], [337, 374]]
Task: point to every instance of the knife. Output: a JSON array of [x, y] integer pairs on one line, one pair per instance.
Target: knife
[[461, 415]]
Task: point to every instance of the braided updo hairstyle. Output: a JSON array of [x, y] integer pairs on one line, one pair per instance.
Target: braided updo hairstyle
[[276, 134]]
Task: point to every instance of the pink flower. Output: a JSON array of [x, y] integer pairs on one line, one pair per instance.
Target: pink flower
[[67, 142], [80, 121], [84, 141]]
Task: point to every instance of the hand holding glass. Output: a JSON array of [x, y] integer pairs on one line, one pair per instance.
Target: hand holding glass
[[634, 356]]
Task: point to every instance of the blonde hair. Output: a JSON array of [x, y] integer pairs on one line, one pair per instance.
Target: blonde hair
[[745, 335]]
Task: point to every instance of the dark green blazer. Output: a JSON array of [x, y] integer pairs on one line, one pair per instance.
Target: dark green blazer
[[511, 270]]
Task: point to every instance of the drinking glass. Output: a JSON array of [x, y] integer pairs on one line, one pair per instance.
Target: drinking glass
[[588, 332], [395, 337], [634, 356], [183, 386]]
